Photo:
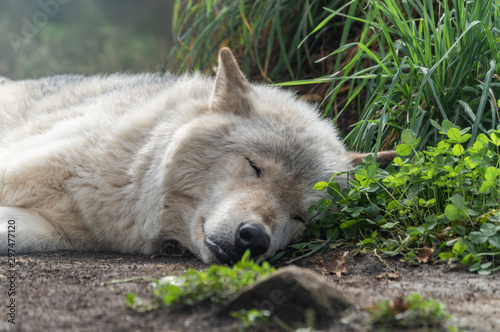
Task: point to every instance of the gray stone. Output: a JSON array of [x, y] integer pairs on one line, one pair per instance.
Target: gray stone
[[288, 293]]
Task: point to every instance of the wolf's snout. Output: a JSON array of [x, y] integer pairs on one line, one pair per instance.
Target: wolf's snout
[[253, 237]]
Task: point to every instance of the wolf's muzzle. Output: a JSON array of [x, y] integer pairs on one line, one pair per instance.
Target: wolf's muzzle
[[250, 236]]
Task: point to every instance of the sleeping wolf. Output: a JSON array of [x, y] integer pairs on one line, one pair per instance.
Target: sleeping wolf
[[125, 162]]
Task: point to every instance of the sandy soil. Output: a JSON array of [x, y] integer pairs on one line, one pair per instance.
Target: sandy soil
[[63, 291]]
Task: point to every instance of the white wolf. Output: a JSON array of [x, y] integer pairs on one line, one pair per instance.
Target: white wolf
[[125, 162]]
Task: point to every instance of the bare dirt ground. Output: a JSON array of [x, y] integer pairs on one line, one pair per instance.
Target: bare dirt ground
[[63, 291]]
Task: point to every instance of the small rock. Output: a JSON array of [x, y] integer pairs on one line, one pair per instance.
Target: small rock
[[288, 293]]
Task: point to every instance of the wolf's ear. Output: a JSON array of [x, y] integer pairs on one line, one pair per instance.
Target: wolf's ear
[[231, 86], [384, 158]]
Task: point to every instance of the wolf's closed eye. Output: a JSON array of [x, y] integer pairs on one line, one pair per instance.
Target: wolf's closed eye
[[258, 172], [299, 218]]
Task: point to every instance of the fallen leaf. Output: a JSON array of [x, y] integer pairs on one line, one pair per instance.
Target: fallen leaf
[[388, 275], [424, 254], [399, 305], [321, 268], [337, 265]]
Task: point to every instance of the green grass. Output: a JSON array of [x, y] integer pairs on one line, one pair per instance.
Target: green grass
[[415, 61], [265, 34]]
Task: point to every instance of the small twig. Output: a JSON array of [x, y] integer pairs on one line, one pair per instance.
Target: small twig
[[494, 102], [385, 263], [119, 281]]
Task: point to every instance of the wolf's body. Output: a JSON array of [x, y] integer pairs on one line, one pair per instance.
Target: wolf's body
[[125, 162]]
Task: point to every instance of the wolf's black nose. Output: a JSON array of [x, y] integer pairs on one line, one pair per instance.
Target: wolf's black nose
[[253, 237]]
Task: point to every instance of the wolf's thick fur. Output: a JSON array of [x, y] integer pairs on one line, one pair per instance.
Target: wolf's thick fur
[[126, 162]]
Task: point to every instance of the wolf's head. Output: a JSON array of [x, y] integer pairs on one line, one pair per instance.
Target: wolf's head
[[260, 151]]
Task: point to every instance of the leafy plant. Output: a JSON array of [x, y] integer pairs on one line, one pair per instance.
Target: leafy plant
[[417, 61], [444, 200], [216, 284], [250, 317], [410, 311]]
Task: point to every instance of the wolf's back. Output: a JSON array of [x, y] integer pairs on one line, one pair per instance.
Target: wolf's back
[[58, 97]]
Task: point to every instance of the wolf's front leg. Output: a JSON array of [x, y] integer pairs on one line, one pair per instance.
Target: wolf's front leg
[[25, 230]]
